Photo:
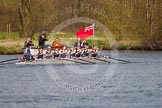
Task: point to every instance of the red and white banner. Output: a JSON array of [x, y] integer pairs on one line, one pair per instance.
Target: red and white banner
[[85, 32]]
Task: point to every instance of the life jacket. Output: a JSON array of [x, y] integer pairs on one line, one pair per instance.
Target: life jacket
[[57, 44]]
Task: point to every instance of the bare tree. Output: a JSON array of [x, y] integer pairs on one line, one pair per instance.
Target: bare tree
[[25, 18]]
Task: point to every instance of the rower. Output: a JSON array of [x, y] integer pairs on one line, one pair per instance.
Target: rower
[[28, 43], [63, 52], [94, 52], [40, 54], [72, 52], [48, 53], [85, 52], [89, 51], [56, 53], [27, 53], [78, 52]]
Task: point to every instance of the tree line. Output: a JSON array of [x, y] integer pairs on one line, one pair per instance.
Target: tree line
[[125, 18]]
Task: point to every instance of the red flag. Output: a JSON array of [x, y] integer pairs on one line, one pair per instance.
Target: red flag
[[85, 32]]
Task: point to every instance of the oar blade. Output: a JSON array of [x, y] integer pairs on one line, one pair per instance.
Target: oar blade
[[75, 61], [120, 60], [102, 60], [87, 61]]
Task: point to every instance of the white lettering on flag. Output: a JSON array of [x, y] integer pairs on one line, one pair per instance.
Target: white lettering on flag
[[89, 28]]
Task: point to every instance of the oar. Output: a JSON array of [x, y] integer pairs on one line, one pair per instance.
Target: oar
[[102, 60], [87, 61], [8, 60], [74, 61], [120, 60]]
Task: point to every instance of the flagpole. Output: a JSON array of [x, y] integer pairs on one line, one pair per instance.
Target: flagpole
[[93, 29], [93, 32]]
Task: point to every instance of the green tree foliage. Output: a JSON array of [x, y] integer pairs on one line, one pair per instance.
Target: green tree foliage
[[125, 18]]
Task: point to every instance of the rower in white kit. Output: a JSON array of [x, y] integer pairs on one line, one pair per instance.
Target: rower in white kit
[[48, 53]]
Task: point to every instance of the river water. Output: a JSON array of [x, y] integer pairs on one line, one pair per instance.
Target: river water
[[118, 85]]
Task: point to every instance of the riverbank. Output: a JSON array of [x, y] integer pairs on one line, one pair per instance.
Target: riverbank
[[14, 44]]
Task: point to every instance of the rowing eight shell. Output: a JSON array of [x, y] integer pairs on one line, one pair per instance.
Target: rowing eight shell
[[68, 61]]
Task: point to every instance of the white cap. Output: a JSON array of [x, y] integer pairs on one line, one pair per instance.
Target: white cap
[[49, 47]]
